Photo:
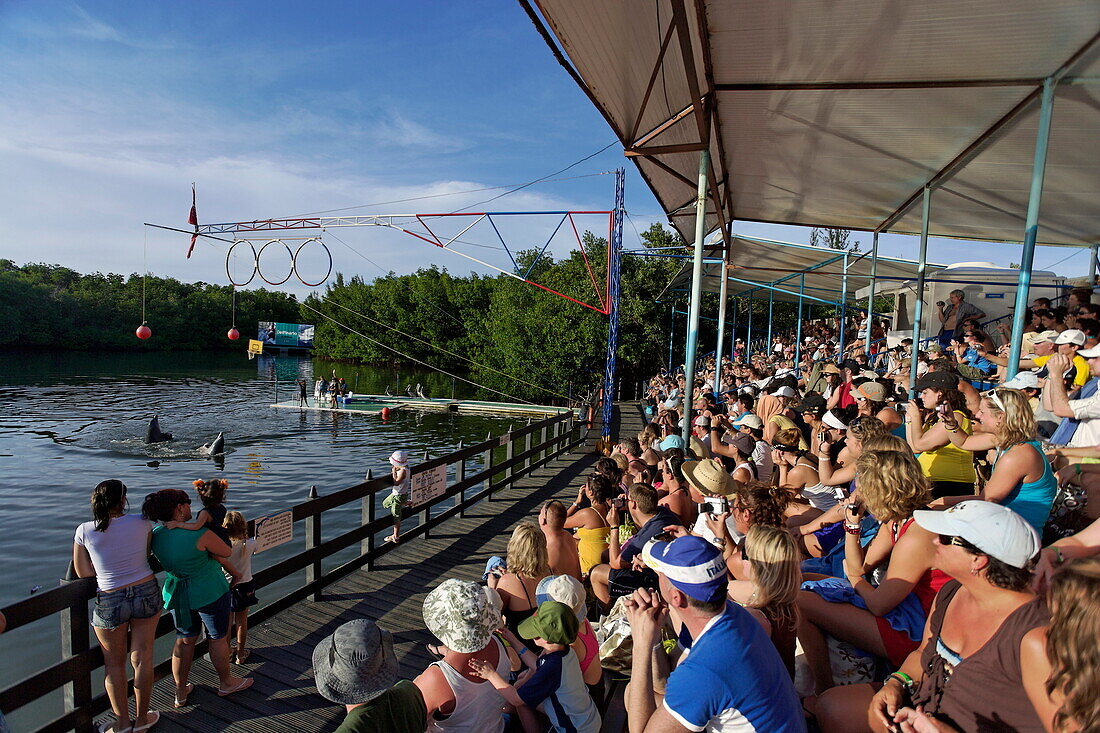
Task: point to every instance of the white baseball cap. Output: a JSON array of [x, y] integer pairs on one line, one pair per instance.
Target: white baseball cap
[[749, 421], [1070, 336], [785, 391], [994, 529], [1089, 353], [1023, 380]]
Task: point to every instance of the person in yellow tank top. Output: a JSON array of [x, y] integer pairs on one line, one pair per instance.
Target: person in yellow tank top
[[590, 522], [950, 469]]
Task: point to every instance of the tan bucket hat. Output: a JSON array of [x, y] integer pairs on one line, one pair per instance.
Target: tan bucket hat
[[708, 478]]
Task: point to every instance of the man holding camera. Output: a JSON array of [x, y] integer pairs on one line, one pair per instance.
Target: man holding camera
[[621, 576], [952, 315]]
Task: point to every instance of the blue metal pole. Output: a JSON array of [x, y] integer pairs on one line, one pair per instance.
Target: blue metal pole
[[918, 306], [798, 327], [1031, 226], [733, 328], [696, 293], [614, 283], [771, 306], [1092, 266], [748, 336], [871, 296], [671, 334], [723, 294], [843, 304]]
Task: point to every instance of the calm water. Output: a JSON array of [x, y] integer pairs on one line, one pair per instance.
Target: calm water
[[68, 421]]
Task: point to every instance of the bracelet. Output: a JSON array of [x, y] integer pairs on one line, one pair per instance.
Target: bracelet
[[905, 680], [852, 529], [1058, 553], [1077, 468]]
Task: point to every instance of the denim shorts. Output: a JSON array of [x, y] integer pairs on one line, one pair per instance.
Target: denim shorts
[[113, 608], [214, 616]]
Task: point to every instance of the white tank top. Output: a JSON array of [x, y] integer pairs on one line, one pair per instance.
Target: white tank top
[[478, 705]]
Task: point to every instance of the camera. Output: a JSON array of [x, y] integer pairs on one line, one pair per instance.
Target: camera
[[715, 505], [618, 502]]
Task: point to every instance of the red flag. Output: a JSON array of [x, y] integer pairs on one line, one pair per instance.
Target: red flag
[[193, 219]]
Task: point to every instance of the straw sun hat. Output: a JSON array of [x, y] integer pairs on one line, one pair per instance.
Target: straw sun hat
[[708, 478]]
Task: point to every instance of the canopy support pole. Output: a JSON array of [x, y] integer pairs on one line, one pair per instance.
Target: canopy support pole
[[771, 305], [723, 293], [918, 306], [843, 304], [671, 334], [748, 336], [733, 328], [798, 328], [1092, 265], [871, 297], [1031, 226], [696, 294]]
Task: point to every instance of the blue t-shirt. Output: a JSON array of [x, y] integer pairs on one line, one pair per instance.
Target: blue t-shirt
[[734, 681], [557, 688], [633, 546]]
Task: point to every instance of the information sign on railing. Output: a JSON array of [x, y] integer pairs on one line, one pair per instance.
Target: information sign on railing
[[429, 484], [274, 530]]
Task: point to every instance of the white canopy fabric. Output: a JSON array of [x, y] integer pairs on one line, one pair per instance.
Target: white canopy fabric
[[838, 114], [767, 261]]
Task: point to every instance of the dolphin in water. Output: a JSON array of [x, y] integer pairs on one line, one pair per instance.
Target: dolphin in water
[[217, 447], [153, 433], [420, 392]]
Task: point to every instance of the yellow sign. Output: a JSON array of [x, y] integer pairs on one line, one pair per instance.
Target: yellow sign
[[255, 347]]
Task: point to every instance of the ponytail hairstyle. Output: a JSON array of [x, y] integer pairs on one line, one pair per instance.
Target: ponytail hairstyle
[[107, 496], [764, 502], [211, 491]]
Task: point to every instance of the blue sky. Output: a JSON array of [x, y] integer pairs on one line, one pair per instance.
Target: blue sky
[[108, 111]]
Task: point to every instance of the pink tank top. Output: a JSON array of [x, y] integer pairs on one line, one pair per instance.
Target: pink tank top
[[587, 636]]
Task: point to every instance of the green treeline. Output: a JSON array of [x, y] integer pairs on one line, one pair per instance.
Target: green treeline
[[521, 340], [49, 306]]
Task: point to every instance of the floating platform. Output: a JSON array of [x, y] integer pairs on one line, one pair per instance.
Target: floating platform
[[372, 404]]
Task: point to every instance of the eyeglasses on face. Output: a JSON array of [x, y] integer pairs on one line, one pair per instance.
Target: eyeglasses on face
[[946, 539]]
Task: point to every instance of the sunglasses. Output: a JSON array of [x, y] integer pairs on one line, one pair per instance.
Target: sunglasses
[[946, 539], [993, 397]]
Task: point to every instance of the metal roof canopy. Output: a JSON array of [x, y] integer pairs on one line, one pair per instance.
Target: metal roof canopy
[[777, 267], [825, 114]]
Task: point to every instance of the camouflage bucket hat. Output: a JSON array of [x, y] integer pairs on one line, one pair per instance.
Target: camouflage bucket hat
[[461, 615]]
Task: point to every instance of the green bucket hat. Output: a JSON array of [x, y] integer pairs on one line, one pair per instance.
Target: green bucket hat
[[555, 622]]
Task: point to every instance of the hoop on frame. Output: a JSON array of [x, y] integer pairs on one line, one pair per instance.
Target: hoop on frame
[[298, 251], [255, 262], [259, 254]]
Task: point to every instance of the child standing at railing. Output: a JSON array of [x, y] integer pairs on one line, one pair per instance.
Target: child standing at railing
[[399, 497], [242, 594]]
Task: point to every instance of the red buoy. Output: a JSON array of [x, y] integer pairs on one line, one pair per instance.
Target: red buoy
[[143, 332], [385, 413], [233, 334]]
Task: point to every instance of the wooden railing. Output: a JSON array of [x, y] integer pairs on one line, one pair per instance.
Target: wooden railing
[[70, 602]]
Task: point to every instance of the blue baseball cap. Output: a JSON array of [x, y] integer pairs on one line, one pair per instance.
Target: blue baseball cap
[[693, 565], [673, 441]]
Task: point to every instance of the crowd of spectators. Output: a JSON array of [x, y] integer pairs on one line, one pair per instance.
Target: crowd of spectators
[[832, 548]]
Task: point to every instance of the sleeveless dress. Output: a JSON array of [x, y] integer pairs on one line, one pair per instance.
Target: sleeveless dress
[[478, 706], [590, 544], [984, 691]]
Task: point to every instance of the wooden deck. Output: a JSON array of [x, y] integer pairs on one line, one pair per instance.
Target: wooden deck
[[283, 697]]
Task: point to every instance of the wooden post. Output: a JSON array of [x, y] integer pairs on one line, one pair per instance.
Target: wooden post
[[460, 476], [527, 448], [489, 466], [427, 513], [542, 442], [557, 435], [313, 539], [366, 516], [74, 642], [509, 454]]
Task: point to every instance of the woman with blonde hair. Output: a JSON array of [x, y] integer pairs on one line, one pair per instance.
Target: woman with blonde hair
[[886, 620], [771, 564], [1022, 479], [528, 563], [648, 440]]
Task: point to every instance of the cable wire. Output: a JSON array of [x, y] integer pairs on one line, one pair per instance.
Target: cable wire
[[440, 348], [414, 359]]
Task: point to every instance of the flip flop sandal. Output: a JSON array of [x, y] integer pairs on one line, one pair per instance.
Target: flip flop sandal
[[179, 702], [433, 649], [153, 717], [104, 727], [242, 655], [244, 685]]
